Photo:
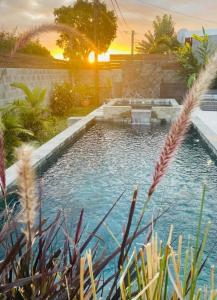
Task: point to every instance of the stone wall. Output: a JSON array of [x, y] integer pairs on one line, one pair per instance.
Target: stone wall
[[152, 110], [111, 112], [168, 114], [108, 78], [44, 78], [157, 76]]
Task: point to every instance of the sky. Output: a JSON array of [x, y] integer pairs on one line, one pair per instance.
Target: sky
[[137, 15]]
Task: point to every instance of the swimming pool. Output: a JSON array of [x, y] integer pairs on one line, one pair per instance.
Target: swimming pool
[[109, 159]]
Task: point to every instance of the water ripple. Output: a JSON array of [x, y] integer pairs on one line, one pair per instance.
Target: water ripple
[[109, 159]]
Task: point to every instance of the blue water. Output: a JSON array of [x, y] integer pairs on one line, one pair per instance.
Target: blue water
[[109, 159]]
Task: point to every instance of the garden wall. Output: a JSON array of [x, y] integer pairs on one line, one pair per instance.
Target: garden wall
[[156, 76], [111, 81], [44, 78], [31, 70]]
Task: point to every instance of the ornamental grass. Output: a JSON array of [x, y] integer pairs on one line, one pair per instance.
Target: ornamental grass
[[33, 267]]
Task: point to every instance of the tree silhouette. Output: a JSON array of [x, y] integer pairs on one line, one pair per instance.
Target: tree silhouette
[[81, 17], [162, 40]]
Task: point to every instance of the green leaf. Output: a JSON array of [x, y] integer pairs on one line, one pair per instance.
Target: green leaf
[[22, 87]]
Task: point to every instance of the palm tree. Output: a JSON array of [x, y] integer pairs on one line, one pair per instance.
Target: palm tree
[[162, 40], [31, 109]]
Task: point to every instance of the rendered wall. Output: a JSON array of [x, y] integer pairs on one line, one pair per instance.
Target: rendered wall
[[44, 78], [110, 81]]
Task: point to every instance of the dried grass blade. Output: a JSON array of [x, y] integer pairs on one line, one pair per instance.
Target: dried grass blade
[[82, 271], [90, 265], [147, 286]]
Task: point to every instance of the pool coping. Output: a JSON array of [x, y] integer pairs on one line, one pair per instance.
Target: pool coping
[[205, 129], [44, 154]]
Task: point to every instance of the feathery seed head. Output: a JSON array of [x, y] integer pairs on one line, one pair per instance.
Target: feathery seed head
[[62, 28], [26, 188], [181, 125]]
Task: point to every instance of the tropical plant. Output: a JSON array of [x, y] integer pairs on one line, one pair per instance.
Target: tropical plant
[[31, 109], [163, 40], [203, 50], [193, 60], [13, 131], [188, 62], [33, 268], [81, 16]]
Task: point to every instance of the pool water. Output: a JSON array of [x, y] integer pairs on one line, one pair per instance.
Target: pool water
[[109, 159]]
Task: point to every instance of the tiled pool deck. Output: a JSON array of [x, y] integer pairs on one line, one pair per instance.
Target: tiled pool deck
[[206, 124]]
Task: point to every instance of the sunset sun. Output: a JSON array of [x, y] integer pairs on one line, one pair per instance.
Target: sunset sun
[[104, 57]]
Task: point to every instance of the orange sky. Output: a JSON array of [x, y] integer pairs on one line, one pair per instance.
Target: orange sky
[[118, 46], [114, 49], [138, 15]]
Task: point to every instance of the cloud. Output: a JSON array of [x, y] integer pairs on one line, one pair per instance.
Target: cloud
[[138, 13], [25, 13]]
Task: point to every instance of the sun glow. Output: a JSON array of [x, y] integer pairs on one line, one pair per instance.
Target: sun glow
[[58, 56], [104, 57], [114, 49], [57, 53]]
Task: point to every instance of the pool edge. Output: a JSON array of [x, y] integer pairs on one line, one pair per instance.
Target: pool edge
[[44, 154], [206, 132]]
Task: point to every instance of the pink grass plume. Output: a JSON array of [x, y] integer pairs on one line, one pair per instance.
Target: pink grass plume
[[180, 127], [44, 28]]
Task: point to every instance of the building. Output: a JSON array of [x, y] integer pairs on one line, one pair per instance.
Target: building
[[184, 35]]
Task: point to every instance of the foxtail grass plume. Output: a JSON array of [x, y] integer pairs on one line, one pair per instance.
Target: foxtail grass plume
[[27, 189], [181, 125], [44, 28]]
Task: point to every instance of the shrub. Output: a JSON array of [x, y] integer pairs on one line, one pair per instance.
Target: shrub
[[31, 109], [33, 269], [54, 126], [8, 41], [27, 120], [192, 62], [85, 93], [66, 97], [13, 130], [63, 99]]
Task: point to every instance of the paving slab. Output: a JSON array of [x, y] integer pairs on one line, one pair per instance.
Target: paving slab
[[206, 124]]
